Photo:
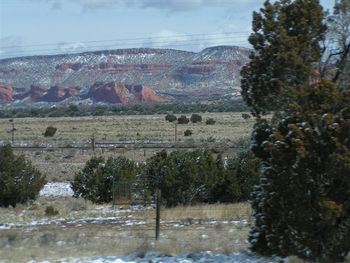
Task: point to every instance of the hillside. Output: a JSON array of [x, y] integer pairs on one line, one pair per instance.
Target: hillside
[[122, 75]]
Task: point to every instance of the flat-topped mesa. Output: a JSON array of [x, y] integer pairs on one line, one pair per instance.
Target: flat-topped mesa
[[180, 74], [114, 92], [6, 93]]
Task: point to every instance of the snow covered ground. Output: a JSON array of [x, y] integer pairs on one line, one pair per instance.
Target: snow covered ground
[[156, 257], [56, 189], [125, 219]]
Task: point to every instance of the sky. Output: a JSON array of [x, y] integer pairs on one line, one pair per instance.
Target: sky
[[41, 27]]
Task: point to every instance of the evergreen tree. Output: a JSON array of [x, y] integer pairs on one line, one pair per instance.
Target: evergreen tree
[[302, 204], [95, 181], [19, 180], [286, 40]]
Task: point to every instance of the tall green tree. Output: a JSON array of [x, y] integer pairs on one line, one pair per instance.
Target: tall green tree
[[302, 204], [286, 41]]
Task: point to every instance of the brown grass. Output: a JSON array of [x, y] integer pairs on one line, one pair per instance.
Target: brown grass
[[181, 231], [62, 164]]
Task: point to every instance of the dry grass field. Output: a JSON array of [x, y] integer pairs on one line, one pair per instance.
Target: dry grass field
[[83, 229], [61, 164], [78, 130]]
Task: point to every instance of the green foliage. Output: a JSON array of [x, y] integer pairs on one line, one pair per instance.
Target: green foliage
[[50, 131], [222, 105], [245, 116], [286, 40], [170, 117], [95, 181], [241, 174], [183, 120], [302, 204], [196, 118], [51, 211], [19, 180], [187, 133], [183, 177], [210, 121]]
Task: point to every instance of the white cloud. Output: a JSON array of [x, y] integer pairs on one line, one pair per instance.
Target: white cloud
[[170, 39], [166, 5], [166, 39], [71, 47]]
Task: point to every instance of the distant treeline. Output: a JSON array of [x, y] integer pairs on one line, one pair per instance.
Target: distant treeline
[[130, 109]]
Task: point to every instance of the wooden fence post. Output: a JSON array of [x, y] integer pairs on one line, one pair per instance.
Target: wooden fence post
[[158, 203]]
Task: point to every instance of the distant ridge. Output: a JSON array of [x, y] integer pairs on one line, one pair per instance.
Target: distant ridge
[[175, 73]]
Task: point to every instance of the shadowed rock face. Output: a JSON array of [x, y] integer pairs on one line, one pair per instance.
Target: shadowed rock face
[[54, 94], [6, 92], [34, 94], [115, 92]]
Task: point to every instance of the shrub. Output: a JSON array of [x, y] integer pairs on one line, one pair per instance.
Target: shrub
[[183, 120], [170, 118], [95, 181], [50, 131], [245, 116], [196, 118], [19, 180], [183, 177], [187, 133], [240, 176], [51, 211], [210, 121]]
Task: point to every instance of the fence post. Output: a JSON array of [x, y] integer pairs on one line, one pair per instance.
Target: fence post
[[159, 196], [93, 142]]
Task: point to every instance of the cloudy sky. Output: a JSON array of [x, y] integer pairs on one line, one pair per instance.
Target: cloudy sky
[[31, 27]]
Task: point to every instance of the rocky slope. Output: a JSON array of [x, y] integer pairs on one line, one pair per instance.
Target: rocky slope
[[122, 76]]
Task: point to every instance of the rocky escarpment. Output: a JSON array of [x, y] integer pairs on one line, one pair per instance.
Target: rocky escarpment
[[6, 93], [175, 73], [114, 92]]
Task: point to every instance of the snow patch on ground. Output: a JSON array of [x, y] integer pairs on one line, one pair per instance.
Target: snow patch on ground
[[156, 257], [56, 189]]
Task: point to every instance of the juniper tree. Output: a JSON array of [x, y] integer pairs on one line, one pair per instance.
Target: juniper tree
[[286, 41], [19, 180], [302, 204]]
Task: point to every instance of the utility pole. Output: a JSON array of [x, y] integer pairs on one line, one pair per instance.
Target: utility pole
[[175, 134], [12, 131]]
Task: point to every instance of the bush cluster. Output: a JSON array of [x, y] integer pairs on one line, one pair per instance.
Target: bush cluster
[[131, 109], [94, 182], [19, 180], [183, 177]]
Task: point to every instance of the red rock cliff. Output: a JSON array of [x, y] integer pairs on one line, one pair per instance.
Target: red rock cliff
[[6, 92]]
